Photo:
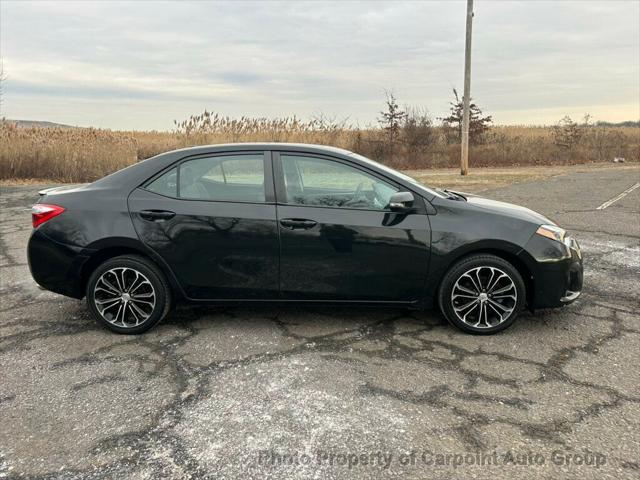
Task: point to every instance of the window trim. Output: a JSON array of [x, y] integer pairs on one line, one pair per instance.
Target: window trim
[[281, 193], [269, 190]]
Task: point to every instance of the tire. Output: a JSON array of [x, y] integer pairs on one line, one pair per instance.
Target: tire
[[128, 294], [497, 287]]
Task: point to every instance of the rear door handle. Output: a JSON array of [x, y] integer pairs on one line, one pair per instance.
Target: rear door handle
[[298, 223], [157, 215]]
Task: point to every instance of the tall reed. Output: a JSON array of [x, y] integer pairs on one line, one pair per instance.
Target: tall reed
[[85, 154]]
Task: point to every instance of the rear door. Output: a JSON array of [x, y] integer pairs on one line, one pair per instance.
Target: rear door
[[212, 218], [338, 239]]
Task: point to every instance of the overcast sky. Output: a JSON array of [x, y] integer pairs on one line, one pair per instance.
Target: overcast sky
[[140, 65]]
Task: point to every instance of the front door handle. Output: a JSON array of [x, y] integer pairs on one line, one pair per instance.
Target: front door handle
[[298, 223], [157, 215]]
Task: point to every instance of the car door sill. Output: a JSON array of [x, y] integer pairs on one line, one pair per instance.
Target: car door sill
[[303, 302]]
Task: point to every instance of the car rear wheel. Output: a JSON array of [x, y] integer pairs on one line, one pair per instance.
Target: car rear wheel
[[128, 294], [482, 294]]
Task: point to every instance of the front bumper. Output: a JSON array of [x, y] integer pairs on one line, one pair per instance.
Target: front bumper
[[556, 270]]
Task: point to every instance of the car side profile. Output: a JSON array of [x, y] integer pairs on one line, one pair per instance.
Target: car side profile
[[260, 223]]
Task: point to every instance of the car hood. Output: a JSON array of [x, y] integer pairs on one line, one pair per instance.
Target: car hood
[[509, 209]]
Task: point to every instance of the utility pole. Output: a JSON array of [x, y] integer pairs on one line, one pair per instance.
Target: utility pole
[[464, 151]]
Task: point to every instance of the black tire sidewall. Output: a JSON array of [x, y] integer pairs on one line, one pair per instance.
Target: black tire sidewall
[[160, 286], [463, 266]]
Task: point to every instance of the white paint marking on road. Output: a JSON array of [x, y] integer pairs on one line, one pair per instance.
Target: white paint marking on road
[[618, 197]]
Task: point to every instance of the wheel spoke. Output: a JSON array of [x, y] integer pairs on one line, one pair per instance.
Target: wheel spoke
[[147, 302], [133, 313], [490, 282], [137, 283], [460, 295], [503, 289], [493, 284], [484, 311], [503, 296], [114, 272], [466, 290], [500, 314], [473, 281], [115, 320], [109, 285], [108, 300], [138, 310], [107, 291], [472, 309], [465, 306], [123, 279], [477, 272], [143, 295], [504, 309]]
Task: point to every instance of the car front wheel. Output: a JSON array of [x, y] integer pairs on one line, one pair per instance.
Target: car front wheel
[[482, 294], [128, 294]]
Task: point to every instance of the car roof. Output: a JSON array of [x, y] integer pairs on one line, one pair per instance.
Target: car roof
[[138, 172], [306, 147]]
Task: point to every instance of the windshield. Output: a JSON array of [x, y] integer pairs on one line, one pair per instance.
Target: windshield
[[396, 173]]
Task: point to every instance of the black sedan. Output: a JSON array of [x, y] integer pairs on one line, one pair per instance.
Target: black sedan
[[259, 223]]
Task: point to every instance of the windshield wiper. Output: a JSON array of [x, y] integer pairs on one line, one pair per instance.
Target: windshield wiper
[[455, 195]]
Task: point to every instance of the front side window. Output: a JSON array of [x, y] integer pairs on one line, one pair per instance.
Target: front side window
[[232, 178], [319, 182]]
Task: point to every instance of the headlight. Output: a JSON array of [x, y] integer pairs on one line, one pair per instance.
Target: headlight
[[552, 231]]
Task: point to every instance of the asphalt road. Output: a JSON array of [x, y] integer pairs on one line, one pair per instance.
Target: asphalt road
[[325, 393]]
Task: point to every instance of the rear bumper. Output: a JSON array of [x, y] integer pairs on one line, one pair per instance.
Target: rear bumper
[[557, 280], [55, 266]]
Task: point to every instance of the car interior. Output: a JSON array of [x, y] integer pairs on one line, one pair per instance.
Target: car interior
[[230, 179], [330, 184]]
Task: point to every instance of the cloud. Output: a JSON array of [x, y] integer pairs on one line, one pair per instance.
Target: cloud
[[156, 61]]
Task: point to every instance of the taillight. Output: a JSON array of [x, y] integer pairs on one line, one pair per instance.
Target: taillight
[[41, 212]]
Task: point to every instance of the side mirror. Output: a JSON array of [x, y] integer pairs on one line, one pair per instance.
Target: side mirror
[[401, 202]]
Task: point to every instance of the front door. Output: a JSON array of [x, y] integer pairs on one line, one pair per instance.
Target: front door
[[213, 220], [338, 239]]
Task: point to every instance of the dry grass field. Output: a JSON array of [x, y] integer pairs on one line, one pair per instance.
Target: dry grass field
[[85, 154]]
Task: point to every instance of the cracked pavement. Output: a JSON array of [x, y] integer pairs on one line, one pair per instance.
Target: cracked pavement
[[217, 393]]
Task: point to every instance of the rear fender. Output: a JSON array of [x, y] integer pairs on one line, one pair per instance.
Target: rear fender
[[104, 249]]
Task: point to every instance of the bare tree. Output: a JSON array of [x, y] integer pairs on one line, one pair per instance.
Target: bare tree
[[567, 133], [417, 129]]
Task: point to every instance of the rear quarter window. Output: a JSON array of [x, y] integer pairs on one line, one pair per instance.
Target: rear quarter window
[[166, 184]]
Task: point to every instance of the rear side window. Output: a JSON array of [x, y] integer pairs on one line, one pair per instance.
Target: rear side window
[[166, 184], [233, 178], [228, 178]]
